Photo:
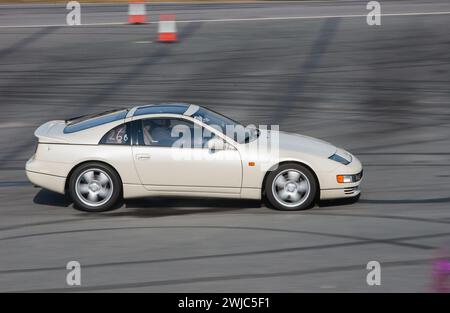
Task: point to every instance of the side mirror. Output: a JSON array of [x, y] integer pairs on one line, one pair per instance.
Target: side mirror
[[216, 144]]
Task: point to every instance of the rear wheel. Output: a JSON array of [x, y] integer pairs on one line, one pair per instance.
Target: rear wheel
[[291, 187], [95, 187]]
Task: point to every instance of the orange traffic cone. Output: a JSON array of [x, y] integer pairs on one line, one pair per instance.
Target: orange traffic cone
[[167, 28], [136, 12]]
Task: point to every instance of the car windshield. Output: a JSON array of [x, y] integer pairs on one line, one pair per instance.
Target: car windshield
[[227, 126], [88, 121]]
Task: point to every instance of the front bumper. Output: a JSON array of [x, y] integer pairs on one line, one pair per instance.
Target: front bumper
[[332, 189], [348, 192]]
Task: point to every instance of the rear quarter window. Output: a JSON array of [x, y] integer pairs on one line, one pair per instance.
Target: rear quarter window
[[94, 120], [119, 135]]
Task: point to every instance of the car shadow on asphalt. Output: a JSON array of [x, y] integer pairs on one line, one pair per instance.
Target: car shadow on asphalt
[[157, 206], [172, 206], [50, 198]]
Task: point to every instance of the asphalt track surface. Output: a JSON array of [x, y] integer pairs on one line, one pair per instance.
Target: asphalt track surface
[[381, 92]]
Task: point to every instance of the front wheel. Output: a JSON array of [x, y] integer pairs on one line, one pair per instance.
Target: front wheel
[[291, 187], [95, 187]]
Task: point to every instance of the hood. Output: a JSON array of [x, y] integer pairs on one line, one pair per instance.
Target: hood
[[295, 143]]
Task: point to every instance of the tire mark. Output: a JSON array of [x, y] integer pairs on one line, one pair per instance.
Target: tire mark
[[44, 223], [21, 44], [297, 86], [24, 42], [112, 88], [169, 282], [332, 235], [237, 254], [405, 218], [406, 201], [393, 217], [191, 258], [139, 68], [14, 184]]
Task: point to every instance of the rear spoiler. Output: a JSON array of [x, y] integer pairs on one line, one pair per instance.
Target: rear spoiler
[[88, 116], [69, 120], [52, 131]]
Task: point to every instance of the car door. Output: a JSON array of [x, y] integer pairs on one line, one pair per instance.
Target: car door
[[171, 155]]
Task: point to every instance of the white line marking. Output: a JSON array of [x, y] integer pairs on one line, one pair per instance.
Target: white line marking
[[14, 125], [94, 4], [61, 25], [310, 17], [225, 20]]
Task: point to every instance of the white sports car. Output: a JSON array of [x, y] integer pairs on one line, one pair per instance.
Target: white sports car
[[186, 150]]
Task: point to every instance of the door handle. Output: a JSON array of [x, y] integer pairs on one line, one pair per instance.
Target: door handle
[[142, 156]]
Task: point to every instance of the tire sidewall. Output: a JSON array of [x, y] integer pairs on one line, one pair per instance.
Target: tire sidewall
[[112, 203], [305, 171]]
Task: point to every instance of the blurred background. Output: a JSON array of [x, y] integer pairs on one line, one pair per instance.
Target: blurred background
[[312, 67]]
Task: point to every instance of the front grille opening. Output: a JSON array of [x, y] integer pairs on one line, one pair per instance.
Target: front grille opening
[[350, 191]]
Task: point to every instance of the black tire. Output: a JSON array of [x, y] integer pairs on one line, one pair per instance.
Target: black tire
[[307, 201], [111, 201]]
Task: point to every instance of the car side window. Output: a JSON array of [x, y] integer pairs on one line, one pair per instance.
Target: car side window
[[119, 135], [172, 132]]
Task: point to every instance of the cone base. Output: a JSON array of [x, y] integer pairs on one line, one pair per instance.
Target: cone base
[[167, 37], [137, 19]]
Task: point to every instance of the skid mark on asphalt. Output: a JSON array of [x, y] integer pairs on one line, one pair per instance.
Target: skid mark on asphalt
[[409, 201], [323, 270], [333, 235], [202, 257], [20, 45], [110, 90], [24, 42], [317, 212], [298, 84], [402, 144], [224, 75], [391, 217], [139, 68], [239, 254], [14, 184]]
